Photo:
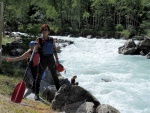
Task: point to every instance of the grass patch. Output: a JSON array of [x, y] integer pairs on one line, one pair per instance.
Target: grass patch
[[6, 40], [7, 85], [26, 106]]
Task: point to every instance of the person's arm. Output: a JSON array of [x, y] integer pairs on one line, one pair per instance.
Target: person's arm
[[22, 57], [55, 50]]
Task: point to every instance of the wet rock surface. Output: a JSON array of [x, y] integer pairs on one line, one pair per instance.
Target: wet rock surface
[[131, 48]]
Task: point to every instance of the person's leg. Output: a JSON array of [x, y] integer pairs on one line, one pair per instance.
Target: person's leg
[[52, 68], [38, 78], [34, 74], [55, 78], [40, 70], [37, 82]]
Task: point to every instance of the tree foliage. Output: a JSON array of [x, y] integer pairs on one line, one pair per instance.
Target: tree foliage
[[101, 16]]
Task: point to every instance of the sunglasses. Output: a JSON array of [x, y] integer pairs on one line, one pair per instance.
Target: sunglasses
[[45, 30]]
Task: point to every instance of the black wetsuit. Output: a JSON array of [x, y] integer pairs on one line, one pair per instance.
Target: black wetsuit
[[46, 60]]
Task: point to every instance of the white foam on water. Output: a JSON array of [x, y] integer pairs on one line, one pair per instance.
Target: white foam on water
[[119, 80]]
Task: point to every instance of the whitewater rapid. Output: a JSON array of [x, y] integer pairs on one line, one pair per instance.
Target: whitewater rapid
[[119, 80]]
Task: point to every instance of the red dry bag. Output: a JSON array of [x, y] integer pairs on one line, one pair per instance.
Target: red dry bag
[[59, 67]]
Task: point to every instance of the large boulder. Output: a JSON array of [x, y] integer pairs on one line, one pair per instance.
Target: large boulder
[[69, 94], [129, 48], [144, 46], [145, 43]]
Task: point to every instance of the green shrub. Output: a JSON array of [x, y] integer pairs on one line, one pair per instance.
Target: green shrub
[[132, 30], [119, 27], [12, 69], [31, 29], [129, 32], [148, 33], [125, 33]]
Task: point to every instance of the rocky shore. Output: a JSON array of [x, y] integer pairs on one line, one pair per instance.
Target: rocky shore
[[70, 98]]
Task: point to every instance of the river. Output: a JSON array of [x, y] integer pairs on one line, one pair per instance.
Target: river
[[121, 81]]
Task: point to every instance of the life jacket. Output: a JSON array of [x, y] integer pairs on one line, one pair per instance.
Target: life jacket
[[36, 59], [46, 46]]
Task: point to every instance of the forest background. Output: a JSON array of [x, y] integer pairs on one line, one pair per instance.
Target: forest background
[[102, 18]]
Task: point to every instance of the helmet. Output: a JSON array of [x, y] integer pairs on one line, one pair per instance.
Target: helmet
[[59, 67], [32, 43]]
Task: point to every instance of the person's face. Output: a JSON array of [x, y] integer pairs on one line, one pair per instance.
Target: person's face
[[45, 31], [31, 47]]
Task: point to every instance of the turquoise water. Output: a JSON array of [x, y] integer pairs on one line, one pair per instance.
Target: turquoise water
[[95, 60]]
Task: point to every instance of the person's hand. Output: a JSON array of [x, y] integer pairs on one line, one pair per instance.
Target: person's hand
[[8, 59]]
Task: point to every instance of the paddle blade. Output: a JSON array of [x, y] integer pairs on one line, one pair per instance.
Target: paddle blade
[[18, 92]]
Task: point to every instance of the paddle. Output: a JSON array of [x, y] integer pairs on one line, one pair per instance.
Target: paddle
[[20, 87]]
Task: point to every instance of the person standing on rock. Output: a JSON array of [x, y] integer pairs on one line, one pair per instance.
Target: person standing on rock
[[47, 51], [32, 70]]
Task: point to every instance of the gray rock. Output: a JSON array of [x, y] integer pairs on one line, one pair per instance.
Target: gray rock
[[63, 81], [103, 108], [148, 56], [86, 107], [79, 107], [129, 48], [47, 77], [145, 43], [49, 93], [69, 94], [130, 43]]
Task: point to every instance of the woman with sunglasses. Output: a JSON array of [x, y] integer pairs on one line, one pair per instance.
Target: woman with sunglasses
[[47, 51]]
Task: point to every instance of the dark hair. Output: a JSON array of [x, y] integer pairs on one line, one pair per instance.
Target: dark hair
[[44, 26], [74, 76]]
